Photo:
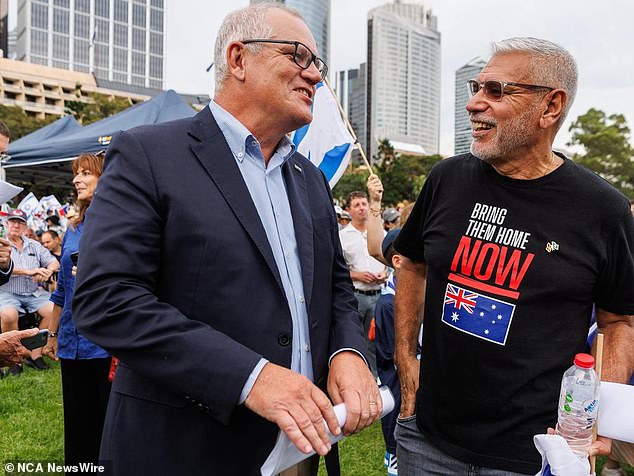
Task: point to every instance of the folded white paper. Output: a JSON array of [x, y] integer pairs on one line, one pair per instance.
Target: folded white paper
[[558, 459], [616, 411], [285, 454]]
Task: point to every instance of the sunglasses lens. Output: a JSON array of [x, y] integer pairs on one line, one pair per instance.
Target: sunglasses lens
[[493, 90], [473, 87]]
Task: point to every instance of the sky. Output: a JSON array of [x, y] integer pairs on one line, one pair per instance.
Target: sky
[[599, 34]]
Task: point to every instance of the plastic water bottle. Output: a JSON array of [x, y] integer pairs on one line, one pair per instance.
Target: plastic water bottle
[[579, 404]]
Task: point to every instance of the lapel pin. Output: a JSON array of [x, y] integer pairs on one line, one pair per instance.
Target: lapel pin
[[298, 168]]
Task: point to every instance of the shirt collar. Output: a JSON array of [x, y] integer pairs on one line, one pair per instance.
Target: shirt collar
[[241, 141]]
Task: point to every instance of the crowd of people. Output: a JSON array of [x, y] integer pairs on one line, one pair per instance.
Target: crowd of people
[[246, 320]]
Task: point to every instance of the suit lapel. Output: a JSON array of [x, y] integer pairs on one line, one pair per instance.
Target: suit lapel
[[212, 151], [298, 199]]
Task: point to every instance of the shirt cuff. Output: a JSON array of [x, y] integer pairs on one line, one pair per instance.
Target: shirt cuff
[[348, 349], [255, 373]]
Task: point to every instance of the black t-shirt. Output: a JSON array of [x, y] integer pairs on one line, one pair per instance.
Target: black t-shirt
[[513, 269]]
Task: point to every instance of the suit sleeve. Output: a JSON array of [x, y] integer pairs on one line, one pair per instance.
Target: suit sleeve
[[346, 327], [116, 303]]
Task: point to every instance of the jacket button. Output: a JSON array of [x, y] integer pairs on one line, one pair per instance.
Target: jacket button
[[283, 340]]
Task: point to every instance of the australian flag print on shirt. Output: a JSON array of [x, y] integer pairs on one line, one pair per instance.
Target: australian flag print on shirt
[[476, 314]]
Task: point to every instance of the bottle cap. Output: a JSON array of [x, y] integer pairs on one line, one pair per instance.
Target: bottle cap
[[585, 361]]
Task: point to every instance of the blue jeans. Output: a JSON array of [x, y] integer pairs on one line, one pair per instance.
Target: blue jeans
[[417, 456]]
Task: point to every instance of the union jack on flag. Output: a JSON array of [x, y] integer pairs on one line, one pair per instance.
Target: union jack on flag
[[460, 298], [477, 314]]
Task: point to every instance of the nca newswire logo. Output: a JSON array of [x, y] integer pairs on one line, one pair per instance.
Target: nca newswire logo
[[50, 467]]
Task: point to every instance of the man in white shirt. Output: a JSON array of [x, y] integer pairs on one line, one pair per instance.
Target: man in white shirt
[[367, 274]]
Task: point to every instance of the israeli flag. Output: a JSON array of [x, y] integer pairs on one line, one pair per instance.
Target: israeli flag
[[326, 141]]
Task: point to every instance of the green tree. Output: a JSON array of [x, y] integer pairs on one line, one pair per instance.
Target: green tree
[[355, 178], [20, 123], [402, 175], [607, 147], [100, 107]]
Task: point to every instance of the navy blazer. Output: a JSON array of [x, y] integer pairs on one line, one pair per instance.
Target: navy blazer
[[177, 279]]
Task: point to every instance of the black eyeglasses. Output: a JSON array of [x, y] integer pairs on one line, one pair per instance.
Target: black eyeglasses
[[494, 90], [302, 56]]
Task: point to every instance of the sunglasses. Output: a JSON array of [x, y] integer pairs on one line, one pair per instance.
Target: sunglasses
[[494, 90], [302, 56]]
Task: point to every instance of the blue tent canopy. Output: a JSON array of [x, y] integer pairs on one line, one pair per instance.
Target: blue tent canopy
[[61, 126], [96, 136]]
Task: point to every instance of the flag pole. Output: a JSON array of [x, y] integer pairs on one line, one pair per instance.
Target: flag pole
[[350, 129]]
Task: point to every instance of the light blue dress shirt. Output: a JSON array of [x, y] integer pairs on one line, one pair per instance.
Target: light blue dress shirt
[[268, 192]]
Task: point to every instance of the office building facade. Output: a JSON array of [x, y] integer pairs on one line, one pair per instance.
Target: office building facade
[[403, 77], [118, 40], [462, 126], [317, 16]]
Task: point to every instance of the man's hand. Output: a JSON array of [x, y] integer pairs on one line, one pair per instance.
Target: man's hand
[[296, 405], [41, 275], [351, 382], [50, 349], [11, 349], [408, 368], [5, 253], [375, 189], [602, 446], [366, 277]]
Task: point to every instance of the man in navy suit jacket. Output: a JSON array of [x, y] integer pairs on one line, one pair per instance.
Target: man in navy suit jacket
[[211, 266]]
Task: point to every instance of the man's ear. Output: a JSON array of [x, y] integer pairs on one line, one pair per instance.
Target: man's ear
[[236, 60], [556, 102], [396, 261]]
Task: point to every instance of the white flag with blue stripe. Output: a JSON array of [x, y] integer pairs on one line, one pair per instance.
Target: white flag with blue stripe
[[326, 141]]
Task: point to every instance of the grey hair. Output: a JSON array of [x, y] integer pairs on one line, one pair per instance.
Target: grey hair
[[551, 65], [248, 22]]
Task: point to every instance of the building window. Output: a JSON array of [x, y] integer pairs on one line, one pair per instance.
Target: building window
[[102, 31], [60, 47], [120, 59], [157, 3], [81, 52], [61, 22], [156, 67], [120, 35], [140, 80], [138, 39], [62, 3], [121, 10], [82, 6], [102, 8], [39, 43], [138, 15], [101, 56], [82, 26], [39, 16], [156, 43], [120, 77], [138, 63], [156, 19]]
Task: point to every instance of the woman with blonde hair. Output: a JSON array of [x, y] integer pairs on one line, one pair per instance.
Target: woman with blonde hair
[[85, 366]]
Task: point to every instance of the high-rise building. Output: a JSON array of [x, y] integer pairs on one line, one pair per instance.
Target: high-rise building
[[350, 87], [118, 40], [4, 28], [403, 76], [462, 126], [317, 16]]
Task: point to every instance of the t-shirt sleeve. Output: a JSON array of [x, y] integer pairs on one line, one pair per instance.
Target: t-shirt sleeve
[[614, 291]]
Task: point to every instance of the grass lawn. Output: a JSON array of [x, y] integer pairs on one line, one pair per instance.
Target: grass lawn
[[31, 427]]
